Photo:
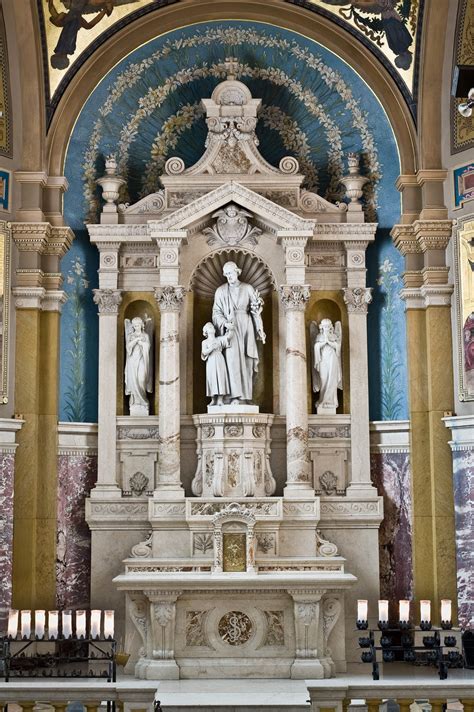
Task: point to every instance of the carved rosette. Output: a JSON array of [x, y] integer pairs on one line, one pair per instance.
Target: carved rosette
[[294, 296], [357, 299], [170, 298], [108, 300]]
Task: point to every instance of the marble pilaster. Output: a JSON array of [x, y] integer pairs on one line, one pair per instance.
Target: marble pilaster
[[294, 299], [357, 300], [169, 299], [108, 301], [462, 446]]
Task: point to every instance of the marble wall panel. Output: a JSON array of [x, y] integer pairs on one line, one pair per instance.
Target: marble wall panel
[[7, 462], [77, 474], [463, 473], [391, 476]]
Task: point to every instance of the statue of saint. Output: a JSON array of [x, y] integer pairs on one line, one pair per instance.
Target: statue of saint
[[217, 380], [238, 308], [326, 343], [138, 366]]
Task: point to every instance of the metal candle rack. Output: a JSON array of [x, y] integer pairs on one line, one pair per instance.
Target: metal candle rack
[[20, 659], [431, 652]]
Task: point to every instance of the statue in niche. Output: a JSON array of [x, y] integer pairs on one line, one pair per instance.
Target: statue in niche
[[238, 309], [326, 341], [138, 365], [217, 379]]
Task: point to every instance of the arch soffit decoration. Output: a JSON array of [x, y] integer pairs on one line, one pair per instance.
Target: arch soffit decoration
[[308, 24]]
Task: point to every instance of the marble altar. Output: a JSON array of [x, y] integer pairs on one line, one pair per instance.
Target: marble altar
[[228, 529]]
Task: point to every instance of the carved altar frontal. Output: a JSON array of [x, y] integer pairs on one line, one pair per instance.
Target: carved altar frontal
[[233, 453], [215, 271]]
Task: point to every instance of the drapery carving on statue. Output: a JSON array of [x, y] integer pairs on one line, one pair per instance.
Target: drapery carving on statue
[[232, 227], [326, 348], [237, 311], [142, 550], [137, 609], [139, 363]]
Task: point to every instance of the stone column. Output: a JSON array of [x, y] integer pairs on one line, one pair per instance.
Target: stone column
[[294, 298], [169, 299], [108, 301], [357, 300]]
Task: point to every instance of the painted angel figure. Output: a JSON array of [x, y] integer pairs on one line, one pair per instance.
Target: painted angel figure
[[326, 342], [73, 20], [138, 365]]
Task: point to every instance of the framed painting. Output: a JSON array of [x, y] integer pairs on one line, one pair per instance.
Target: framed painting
[[464, 295]]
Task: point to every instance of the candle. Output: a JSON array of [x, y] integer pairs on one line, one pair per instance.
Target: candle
[[383, 611], [404, 611], [425, 611], [362, 610], [446, 610], [53, 621], [67, 624], [81, 624], [25, 624], [95, 624], [40, 620], [12, 624], [108, 624]]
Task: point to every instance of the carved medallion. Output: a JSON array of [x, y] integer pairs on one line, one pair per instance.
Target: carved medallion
[[232, 227], [235, 628]]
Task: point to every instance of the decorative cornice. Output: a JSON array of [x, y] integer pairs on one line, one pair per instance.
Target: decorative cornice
[[118, 233], [433, 234], [427, 175], [346, 231], [294, 296], [437, 295], [53, 300], [357, 299], [170, 298], [28, 297], [405, 240], [108, 300], [31, 237], [412, 297], [59, 241]]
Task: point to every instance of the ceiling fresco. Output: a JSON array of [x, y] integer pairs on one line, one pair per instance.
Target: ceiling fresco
[[73, 29], [314, 107]]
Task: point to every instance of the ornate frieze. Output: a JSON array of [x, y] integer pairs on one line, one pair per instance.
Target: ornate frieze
[[357, 299], [108, 300]]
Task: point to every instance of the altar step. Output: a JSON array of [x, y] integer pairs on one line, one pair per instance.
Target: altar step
[[233, 695]]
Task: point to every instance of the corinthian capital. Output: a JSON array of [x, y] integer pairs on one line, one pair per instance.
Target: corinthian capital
[[108, 300], [357, 299], [294, 296], [170, 298]]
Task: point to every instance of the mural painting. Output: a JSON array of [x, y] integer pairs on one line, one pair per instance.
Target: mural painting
[[314, 107], [464, 291]]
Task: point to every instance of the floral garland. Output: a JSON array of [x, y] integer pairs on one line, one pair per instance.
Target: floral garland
[[236, 36]]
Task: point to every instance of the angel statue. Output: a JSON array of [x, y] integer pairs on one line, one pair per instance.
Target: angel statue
[[73, 20], [327, 367], [138, 366]]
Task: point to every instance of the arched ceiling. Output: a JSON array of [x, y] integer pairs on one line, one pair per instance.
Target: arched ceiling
[[72, 30]]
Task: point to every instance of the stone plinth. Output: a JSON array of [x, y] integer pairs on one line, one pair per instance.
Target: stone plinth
[[233, 452]]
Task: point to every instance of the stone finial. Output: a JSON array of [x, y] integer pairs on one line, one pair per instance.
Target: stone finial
[[354, 182], [231, 65], [110, 184]]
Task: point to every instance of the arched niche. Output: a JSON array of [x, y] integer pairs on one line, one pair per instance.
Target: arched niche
[[205, 279], [329, 305], [137, 304]]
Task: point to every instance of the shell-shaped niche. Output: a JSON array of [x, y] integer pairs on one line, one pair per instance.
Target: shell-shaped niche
[[208, 274]]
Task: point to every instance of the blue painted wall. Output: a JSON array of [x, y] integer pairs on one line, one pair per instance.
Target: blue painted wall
[[314, 107]]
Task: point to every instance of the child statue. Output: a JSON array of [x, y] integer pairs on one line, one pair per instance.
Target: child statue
[[217, 378]]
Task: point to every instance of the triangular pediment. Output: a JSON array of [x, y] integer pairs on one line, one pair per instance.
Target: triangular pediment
[[273, 217]]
